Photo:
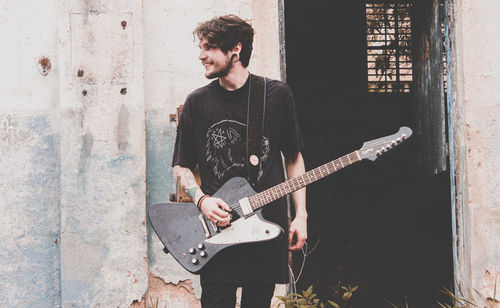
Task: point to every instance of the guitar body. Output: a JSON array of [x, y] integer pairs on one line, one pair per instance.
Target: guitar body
[[193, 240]]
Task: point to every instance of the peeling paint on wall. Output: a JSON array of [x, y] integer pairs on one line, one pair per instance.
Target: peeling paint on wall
[[491, 288], [179, 295], [29, 199]]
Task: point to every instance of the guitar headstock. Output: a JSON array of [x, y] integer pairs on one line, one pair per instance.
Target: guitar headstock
[[373, 149]]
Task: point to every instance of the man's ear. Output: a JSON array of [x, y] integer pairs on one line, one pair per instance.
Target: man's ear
[[236, 48], [235, 52]]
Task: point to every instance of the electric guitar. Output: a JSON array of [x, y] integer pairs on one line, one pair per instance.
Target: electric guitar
[[193, 240]]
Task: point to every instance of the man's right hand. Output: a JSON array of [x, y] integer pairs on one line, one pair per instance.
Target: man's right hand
[[216, 210]]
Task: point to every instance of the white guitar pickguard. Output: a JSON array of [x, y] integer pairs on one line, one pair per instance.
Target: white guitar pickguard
[[246, 230]]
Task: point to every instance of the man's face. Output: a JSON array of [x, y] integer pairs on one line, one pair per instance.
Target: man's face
[[216, 63]]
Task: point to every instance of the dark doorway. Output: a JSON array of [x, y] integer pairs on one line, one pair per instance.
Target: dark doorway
[[383, 225]]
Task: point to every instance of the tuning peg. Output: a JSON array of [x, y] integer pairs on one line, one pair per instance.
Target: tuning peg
[[379, 153], [393, 142], [403, 136], [398, 140]]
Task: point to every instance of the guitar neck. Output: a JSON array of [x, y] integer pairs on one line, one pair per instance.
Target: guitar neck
[[274, 193]]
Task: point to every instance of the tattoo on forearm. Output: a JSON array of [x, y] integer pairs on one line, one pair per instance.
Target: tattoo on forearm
[[191, 192], [187, 181]]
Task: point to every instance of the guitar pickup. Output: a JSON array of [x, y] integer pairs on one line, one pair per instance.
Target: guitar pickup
[[246, 208]]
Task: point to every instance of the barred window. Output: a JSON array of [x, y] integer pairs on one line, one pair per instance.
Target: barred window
[[388, 39]]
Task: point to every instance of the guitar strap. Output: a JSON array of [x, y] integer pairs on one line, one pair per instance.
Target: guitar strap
[[255, 126]]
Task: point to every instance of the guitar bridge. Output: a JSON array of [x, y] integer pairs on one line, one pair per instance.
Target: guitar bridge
[[204, 225]]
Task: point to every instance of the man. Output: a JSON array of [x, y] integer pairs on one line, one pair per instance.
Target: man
[[212, 134]]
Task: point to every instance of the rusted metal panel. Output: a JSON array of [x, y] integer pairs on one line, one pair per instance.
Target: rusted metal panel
[[429, 95]]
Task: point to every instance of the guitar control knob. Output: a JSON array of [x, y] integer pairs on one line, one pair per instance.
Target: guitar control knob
[[192, 251], [195, 261], [201, 246], [203, 254]]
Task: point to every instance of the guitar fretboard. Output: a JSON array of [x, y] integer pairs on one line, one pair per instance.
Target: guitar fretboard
[[274, 193]]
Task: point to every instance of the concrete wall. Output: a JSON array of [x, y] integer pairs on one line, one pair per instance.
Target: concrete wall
[[86, 145], [29, 157], [476, 114]]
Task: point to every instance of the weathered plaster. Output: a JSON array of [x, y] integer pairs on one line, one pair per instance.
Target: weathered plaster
[[163, 294], [29, 191], [103, 220], [266, 58], [29, 157], [75, 142], [477, 110]]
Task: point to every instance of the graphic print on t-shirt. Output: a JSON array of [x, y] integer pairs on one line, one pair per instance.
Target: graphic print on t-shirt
[[226, 149]]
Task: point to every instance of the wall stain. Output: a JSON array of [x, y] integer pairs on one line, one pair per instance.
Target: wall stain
[[87, 143], [120, 161], [123, 132]]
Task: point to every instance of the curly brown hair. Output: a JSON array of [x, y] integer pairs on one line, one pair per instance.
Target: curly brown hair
[[227, 31]]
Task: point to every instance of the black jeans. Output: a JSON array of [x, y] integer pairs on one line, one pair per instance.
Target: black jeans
[[223, 295]]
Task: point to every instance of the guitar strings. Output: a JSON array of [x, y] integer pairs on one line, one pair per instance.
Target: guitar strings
[[378, 144]]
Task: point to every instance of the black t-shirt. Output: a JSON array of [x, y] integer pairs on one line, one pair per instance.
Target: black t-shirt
[[212, 134]]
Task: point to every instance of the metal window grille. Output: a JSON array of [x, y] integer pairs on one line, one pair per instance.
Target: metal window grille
[[388, 39]]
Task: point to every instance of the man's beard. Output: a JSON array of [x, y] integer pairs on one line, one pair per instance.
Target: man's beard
[[221, 71]]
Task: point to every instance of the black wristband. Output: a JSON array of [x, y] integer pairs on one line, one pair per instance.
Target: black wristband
[[198, 204]]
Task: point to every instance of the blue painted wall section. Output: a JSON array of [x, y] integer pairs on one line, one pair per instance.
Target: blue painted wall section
[[29, 201], [159, 177], [160, 183]]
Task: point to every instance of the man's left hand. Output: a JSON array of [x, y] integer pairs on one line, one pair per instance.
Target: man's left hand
[[298, 230]]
